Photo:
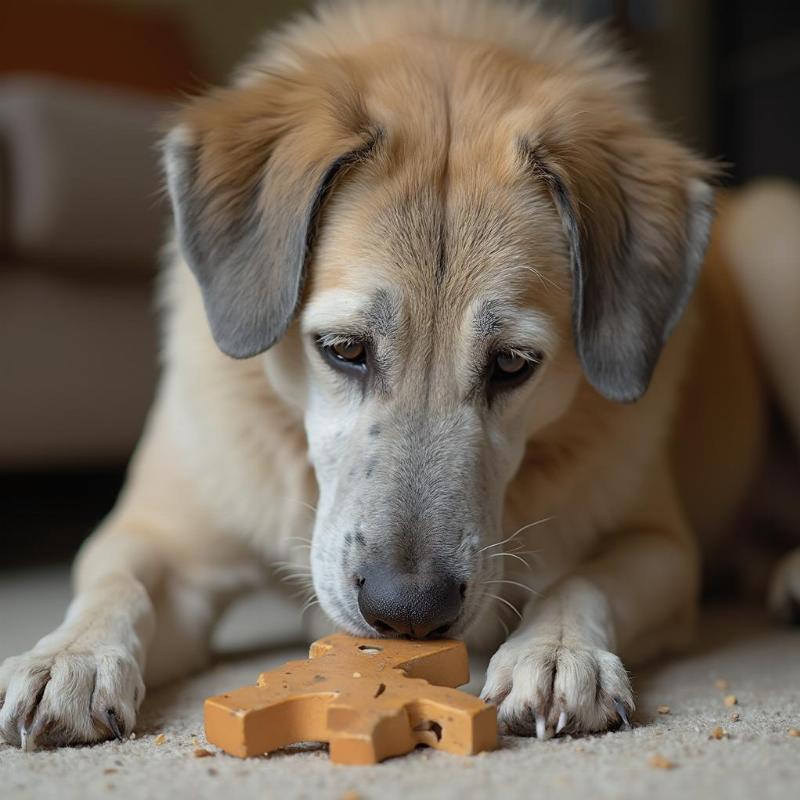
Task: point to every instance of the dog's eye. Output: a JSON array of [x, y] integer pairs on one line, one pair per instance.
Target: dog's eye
[[510, 368], [349, 351], [510, 363], [346, 354]]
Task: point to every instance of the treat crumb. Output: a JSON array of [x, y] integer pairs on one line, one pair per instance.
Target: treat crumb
[[658, 761], [730, 700], [794, 731], [735, 716], [356, 674], [718, 733], [721, 684], [201, 752], [160, 739], [662, 709], [351, 795], [109, 771]]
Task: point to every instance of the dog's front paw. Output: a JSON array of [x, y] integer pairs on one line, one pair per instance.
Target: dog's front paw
[[68, 694], [542, 687]]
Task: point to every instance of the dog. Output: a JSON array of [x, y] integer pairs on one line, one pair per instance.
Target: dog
[[450, 329]]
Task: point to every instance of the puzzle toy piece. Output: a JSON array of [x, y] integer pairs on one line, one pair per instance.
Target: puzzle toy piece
[[368, 698]]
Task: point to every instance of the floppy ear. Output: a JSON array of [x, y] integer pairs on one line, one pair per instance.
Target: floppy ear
[[248, 172], [637, 215]]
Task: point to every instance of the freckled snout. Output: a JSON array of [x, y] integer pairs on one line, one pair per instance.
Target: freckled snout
[[416, 605]]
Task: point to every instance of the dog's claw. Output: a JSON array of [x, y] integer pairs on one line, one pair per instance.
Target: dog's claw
[[113, 723], [562, 722], [27, 742], [541, 727], [623, 715]]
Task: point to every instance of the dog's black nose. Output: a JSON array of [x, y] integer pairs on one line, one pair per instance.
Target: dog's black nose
[[419, 606]]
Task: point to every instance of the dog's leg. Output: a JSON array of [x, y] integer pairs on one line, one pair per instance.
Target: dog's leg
[[561, 669], [762, 243], [150, 583]]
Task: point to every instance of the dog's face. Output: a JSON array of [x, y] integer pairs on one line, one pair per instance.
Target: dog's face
[[437, 288], [435, 337]]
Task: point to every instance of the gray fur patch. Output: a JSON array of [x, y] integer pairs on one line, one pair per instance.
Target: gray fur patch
[[250, 268], [486, 322], [623, 311]]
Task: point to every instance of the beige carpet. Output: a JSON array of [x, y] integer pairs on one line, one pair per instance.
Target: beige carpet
[[758, 758]]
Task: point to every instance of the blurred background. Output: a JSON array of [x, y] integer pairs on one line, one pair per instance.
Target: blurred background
[[83, 86]]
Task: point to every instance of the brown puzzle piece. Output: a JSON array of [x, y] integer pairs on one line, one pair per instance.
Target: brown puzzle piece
[[370, 699]]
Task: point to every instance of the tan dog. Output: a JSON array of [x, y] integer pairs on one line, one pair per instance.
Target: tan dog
[[429, 310]]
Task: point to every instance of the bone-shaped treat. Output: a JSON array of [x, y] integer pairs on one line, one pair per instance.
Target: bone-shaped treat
[[370, 699]]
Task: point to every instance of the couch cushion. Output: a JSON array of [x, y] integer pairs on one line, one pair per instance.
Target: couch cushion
[[82, 183], [78, 369]]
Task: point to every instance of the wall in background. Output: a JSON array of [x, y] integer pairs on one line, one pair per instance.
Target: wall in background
[[220, 32]]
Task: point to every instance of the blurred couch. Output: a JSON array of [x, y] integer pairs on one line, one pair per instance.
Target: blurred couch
[[83, 90], [80, 227]]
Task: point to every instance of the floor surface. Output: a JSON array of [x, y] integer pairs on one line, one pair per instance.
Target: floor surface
[[757, 758]]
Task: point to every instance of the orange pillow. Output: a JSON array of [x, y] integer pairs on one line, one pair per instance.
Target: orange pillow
[[93, 42]]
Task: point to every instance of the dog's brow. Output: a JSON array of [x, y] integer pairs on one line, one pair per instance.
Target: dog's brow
[[486, 321], [492, 320], [352, 310], [382, 313]]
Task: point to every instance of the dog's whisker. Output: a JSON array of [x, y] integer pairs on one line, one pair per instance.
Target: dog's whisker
[[288, 572], [309, 604], [506, 602], [517, 533], [298, 579], [284, 566], [546, 281], [503, 624], [288, 576], [517, 583], [496, 615], [295, 577], [297, 500], [510, 555], [520, 551], [303, 539]]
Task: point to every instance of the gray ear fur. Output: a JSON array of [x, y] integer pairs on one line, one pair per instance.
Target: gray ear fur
[[623, 310], [250, 265]]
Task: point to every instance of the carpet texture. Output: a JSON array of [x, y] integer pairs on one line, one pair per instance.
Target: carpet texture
[[756, 756]]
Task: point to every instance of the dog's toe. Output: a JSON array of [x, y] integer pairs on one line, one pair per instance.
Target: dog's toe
[[546, 688], [66, 697]]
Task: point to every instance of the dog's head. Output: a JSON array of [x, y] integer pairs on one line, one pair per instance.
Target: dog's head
[[436, 251]]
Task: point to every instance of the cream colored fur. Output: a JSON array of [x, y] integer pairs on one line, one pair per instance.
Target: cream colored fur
[[239, 467]]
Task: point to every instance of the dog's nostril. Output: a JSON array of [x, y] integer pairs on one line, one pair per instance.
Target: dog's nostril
[[462, 590], [382, 627], [439, 632], [358, 581]]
